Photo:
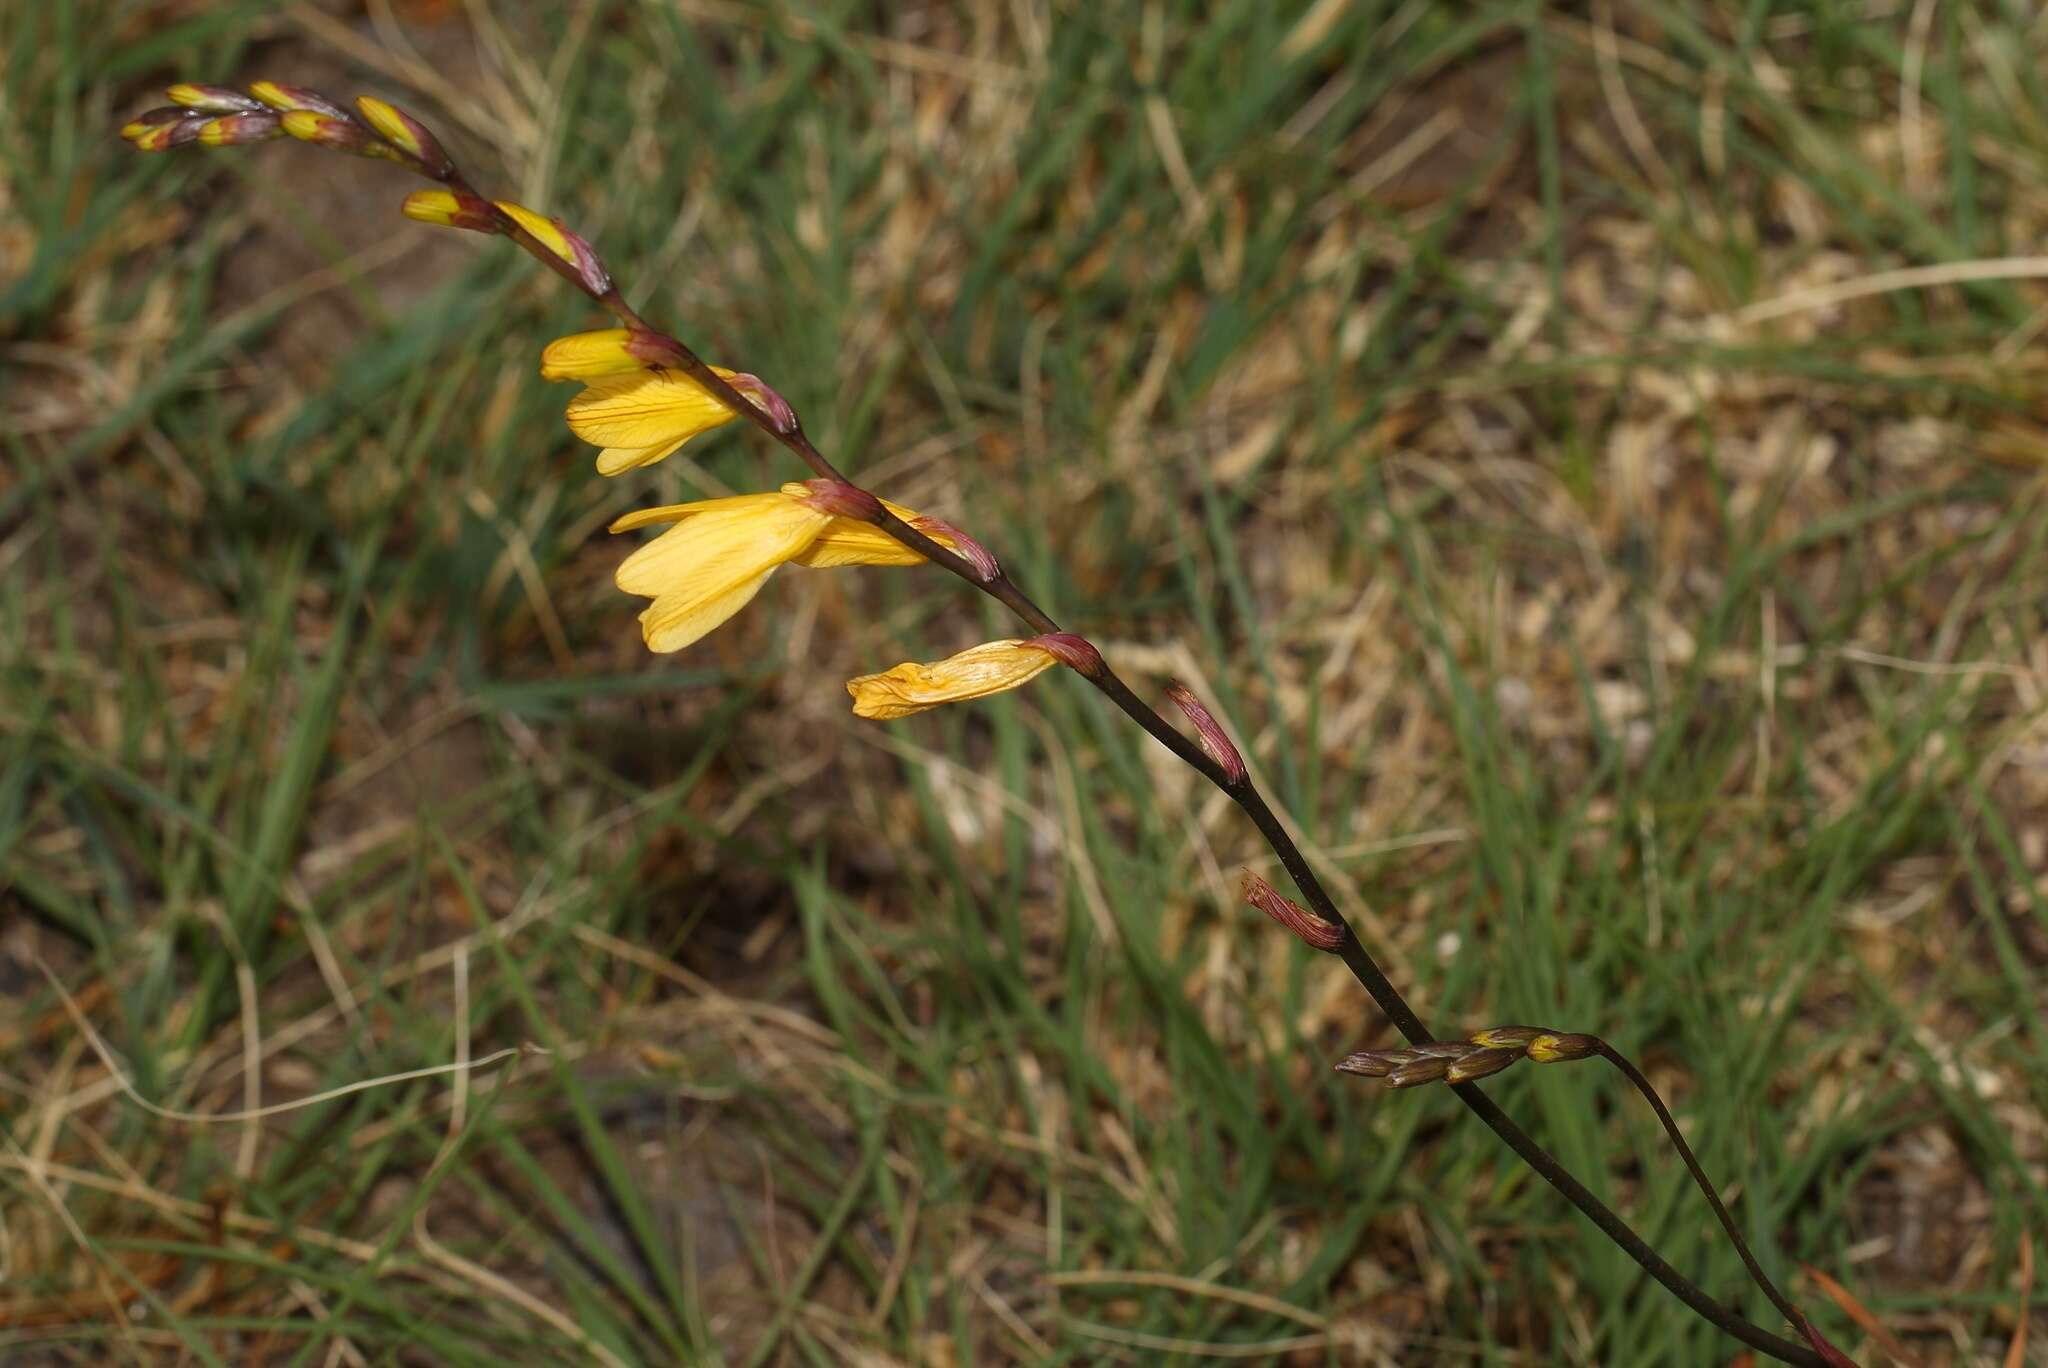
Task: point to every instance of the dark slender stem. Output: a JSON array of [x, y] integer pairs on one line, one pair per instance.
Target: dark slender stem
[[1356, 958], [1699, 1176]]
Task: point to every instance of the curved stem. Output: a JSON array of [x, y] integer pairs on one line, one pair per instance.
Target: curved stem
[[1699, 1176]]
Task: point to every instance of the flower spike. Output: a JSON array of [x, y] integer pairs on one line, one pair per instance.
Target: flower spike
[[646, 395], [1460, 1061]]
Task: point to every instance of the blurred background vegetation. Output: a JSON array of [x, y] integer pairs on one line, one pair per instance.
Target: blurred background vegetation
[[1508, 416]]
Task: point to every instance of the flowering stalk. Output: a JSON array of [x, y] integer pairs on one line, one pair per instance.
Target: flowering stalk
[[743, 540]]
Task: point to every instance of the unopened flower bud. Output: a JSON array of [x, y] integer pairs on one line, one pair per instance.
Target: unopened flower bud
[[1075, 652], [973, 552], [286, 98], [590, 269], [1419, 1070], [450, 209], [842, 500], [1551, 1049], [1478, 1063], [1215, 742], [337, 132], [208, 99], [157, 130], [1441, 1049], [1507, 1037], [1313, 931], [548, 232], [764, 397], [1372, 1063], [236, 130], [407, 134]]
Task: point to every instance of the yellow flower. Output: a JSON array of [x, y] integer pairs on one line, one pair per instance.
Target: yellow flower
[[638, 413], [589, 355], [720, 552], [990, 668], [643, 416]]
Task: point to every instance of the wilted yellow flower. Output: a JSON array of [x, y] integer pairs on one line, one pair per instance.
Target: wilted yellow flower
[[721, 551], [990, 668]]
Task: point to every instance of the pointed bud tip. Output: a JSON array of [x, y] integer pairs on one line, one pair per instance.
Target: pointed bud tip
[[986, 569], [1371, 1063], [766, 398], [842, 500], [1313, 931], [1075, 652], [1215, 742], [407, 134]]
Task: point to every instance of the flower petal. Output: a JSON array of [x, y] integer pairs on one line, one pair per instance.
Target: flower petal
[[588, 355], [643, 416], [705, 568], [990, 668], [671, 623], [619, 460], [674, 513]]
